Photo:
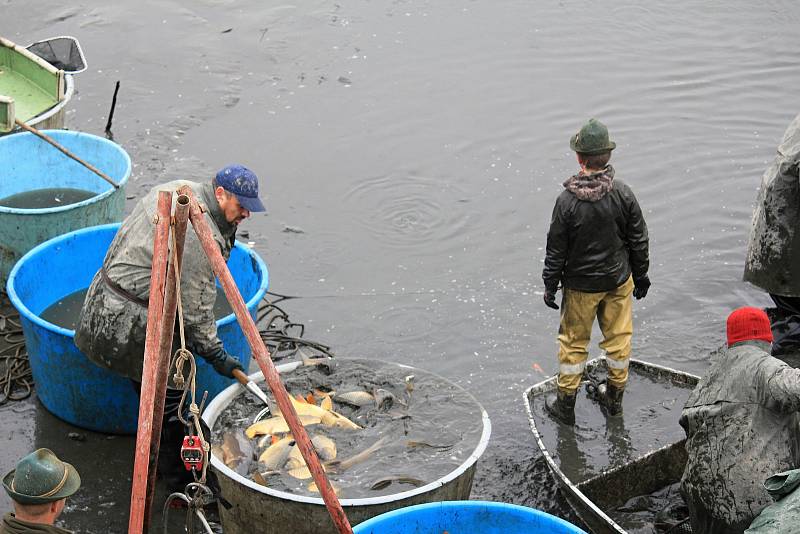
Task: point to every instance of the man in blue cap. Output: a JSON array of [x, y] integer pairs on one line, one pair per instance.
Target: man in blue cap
[[113, 322], [39, 487]]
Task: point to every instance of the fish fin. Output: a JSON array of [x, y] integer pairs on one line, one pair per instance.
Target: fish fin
[[326, 403], [310, 399]]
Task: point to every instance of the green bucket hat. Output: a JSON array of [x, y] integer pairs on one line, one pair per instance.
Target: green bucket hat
[[592, 139], [41, 478]]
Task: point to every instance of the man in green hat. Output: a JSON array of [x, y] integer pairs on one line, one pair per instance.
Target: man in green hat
[[598, 252], [39, 487]]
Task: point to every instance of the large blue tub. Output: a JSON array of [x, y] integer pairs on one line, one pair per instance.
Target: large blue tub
[[466, 516], [68, 384], [29, 163]]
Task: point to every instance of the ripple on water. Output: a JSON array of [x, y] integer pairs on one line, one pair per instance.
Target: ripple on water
[[407, 210]]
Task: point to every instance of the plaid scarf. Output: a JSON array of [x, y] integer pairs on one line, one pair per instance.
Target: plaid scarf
[[591, 187]]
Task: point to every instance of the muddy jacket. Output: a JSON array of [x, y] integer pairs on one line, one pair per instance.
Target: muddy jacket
[[595, 245], [773, 253], [741, 427], [784, 514], [12, 525], [111, 330]]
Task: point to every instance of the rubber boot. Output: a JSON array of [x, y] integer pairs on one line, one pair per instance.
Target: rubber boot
[[561, 406], [611, 399]]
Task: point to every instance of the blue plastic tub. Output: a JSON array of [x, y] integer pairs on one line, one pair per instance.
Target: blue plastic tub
[[29, 163], [457, 517], [67, 382]]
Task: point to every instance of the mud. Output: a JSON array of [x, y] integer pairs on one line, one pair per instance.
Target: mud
[[426, 433]]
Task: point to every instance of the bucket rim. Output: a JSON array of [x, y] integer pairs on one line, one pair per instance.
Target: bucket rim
[[69, 90], [55, 134], [11, 290], [219, 402], [262, 287], [25, 312], [461, 505]]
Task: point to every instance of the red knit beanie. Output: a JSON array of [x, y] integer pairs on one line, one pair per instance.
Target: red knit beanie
[[748, 323]]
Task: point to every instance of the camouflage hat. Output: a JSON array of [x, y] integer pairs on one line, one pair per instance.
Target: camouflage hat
[[592, 139], [40, 478]]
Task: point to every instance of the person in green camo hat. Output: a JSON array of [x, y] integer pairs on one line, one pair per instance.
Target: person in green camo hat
[[598, 253], [39, 487]]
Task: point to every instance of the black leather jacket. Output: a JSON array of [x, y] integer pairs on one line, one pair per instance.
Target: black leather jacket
[[595, 246]]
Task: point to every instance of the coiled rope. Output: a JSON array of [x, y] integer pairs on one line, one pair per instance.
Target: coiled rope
[[16, 379]]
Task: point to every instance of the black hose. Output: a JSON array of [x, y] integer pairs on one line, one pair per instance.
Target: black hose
[[16, 379]]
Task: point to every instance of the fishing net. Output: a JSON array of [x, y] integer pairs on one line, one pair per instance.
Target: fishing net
[[64, 53]]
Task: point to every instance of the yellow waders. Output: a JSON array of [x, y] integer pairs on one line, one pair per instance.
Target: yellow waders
[[614, 312]]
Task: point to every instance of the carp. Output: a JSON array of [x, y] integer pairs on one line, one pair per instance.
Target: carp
[[342, 465], [385, 482], [276, 455], [277, 425], [357, 399]]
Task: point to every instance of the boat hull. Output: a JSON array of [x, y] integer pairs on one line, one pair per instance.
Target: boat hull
[[613, 487]]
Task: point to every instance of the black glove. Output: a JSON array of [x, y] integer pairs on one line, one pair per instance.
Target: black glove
[[550, 298], [640, 287], [224, 363]]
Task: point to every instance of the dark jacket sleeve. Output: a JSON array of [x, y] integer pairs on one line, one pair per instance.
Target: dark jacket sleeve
[[637, 239], [557, 247]]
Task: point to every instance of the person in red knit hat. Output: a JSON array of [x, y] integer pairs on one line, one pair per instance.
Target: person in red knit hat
[[741, 427]]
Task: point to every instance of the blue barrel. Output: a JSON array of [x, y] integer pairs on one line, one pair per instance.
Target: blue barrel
[[466, 516], [29, 163], [67, 382]]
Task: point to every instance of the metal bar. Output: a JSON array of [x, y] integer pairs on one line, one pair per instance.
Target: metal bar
[[262, 356], [155, 309], [253, 388], [165, 349]]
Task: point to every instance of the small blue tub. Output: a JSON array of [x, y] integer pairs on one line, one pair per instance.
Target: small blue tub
[[68, 384], [29, 163], [457, 517]]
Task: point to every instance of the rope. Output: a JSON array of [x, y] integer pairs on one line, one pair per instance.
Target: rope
[[16, 379], [179, 360], [195, 496]]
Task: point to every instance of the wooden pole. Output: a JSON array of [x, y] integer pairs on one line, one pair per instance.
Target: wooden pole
[[165, 350], [155, 311], [52, 141], [262, 356]]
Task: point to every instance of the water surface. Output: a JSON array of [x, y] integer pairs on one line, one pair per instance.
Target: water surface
[[420, 146], [66, 312], [50, 197]]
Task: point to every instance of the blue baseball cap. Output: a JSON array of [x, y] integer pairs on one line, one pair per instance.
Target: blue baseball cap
[[243, 183]]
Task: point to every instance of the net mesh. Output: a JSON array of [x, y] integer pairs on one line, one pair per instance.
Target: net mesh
[[63, 53]]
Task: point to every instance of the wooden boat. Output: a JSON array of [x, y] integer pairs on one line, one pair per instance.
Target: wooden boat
[[31, 89], [595, 496]]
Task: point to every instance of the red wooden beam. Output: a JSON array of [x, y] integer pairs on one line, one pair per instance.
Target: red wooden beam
[[267, 367], [155, 310], [165, 351]]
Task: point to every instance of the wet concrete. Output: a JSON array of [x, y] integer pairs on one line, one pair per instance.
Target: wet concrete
[[420, 146]]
